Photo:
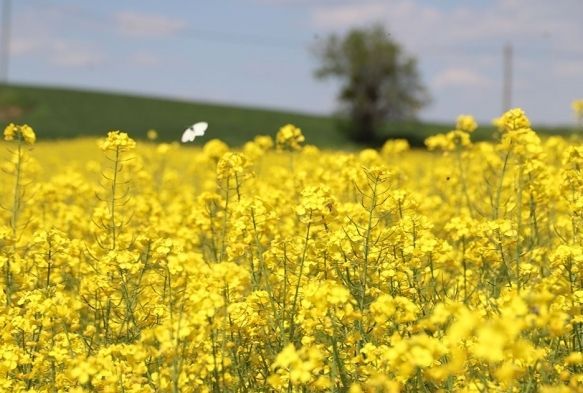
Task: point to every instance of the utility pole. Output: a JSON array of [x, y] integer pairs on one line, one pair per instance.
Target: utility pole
[[5, 41], [507, 81]]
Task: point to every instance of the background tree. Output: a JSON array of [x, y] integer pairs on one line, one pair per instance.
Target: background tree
[[380, 82]]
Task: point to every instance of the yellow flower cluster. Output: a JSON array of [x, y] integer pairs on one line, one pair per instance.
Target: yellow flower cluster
[[289, 137], [117, 141], [219, 270], [466, 123], [233, 166], [455, 139], [514, 120], [20, 132], [394, 147], [316, 205]]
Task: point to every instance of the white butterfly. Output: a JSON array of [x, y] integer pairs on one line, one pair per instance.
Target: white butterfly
[[193, 131]]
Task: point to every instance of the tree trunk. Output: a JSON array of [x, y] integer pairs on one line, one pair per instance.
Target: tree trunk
[[365, 128]]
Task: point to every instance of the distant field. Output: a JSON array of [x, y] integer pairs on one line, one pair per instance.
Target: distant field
[[64, 113]]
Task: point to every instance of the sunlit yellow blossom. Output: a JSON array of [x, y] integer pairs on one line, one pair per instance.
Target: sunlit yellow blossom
[[234, 166], [215, 149], [152, 134], [298, 367], [317, 205], [466, 123], [265, 142], [163, 148], [117, 141], [395, 146], [448, 142], [24, 131], [289, 137], [514, 120]]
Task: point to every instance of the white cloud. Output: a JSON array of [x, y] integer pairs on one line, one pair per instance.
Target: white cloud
[[21, 46], [34, 35], [460, 77], [434, 29], [147, 25], [74, 54], [60, 52], [341, 16]]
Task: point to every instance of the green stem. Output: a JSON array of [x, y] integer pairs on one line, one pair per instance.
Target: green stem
[[364, 278], [339, 364], [463, 180], [518, 249], [16, 193], [225, 223], [500, 185], [16, 204], [112, 206], [297, 291]]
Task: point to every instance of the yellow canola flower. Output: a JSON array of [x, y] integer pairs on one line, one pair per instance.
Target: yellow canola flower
[[317, 205], [491, 341], [455, 139], [389, 309], [289, 137], [298, 367], [514, 120], [117, 141], [574, 358], [215, 149], [449, 141], [395, 146], [265, 142], [24, 132], [152, 134], [466, 123], [286, 357], [234, 166]]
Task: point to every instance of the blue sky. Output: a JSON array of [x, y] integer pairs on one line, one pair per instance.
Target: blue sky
[[256, 52]]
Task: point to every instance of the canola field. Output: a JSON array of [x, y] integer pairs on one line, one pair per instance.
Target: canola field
[[146, 267]]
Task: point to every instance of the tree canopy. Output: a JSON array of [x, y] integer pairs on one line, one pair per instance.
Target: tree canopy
[[380, 81]]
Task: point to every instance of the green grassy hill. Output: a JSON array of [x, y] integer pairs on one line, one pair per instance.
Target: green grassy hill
[[64, 113]]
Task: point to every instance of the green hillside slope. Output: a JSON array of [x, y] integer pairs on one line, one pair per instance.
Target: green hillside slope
[[65, 113]]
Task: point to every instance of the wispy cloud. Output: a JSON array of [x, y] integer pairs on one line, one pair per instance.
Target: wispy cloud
[[36, 35], [147, 25], [21, 46], [460, 77], [427, 27], [59, 52], [341, 16], [74, 54]]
